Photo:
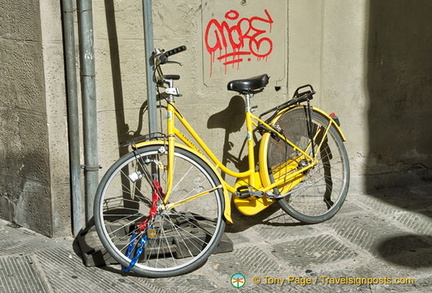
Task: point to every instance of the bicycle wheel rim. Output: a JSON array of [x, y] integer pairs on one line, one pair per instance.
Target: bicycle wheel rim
[[185, 235], [318, 194]]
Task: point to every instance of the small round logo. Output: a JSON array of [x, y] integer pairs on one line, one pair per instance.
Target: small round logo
[[238, 280]]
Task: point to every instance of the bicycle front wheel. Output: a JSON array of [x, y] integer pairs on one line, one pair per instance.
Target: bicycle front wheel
[[149, 234], [318, 193]]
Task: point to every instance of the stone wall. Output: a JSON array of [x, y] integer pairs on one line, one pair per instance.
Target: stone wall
[[25, 194]]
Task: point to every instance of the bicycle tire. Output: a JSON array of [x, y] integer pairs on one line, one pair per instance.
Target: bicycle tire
[[177, 240], [317, 194]]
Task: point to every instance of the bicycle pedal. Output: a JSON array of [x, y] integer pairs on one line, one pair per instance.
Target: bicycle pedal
[[243, 191], [246, 192]]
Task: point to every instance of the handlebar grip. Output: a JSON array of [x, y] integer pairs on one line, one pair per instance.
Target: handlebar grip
[[175, 51]]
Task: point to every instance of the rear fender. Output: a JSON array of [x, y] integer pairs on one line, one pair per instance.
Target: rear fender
[[319, 111]]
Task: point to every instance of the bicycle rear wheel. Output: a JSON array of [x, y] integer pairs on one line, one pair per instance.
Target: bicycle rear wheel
[[148, 237], [318, 193]]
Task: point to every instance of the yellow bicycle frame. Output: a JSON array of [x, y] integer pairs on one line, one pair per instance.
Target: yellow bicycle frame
[[259, 181]]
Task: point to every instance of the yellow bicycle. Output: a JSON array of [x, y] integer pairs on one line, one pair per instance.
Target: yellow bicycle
[[161, 209]]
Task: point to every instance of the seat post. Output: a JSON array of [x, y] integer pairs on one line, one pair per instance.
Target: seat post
[[248, 97]]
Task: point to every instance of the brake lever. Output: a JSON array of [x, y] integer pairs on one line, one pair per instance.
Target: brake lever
[[174, 62]]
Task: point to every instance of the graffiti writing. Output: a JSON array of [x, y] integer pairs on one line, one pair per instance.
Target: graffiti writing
[[238, 39]]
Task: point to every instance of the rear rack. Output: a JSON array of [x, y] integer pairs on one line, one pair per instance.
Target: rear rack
[[302, 94]]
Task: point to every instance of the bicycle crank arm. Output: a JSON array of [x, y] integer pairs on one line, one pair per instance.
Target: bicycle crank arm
[[246, 192]]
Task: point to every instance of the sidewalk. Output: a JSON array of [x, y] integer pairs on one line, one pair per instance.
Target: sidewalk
[[377, 243]]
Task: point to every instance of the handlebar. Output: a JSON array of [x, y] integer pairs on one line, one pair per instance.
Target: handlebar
[[160, 57], [175, 51], [163, 55]]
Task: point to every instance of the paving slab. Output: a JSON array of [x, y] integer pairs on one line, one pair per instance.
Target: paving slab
[[381, 242]]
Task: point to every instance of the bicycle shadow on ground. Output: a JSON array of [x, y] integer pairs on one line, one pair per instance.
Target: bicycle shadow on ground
[[272, 216], [88, 247]]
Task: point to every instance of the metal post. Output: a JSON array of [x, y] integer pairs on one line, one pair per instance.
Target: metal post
[[73, 124], [88, 92], [149, 46]]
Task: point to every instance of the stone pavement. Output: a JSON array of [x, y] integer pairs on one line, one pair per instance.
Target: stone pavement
[[377, 243]]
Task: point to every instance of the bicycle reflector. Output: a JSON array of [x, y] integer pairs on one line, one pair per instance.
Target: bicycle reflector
[[335, 118]]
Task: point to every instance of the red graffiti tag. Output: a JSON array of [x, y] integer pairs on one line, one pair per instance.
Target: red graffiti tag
[[236, 39]]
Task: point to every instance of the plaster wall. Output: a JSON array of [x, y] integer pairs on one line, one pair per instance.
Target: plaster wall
[[120, 65], [373, 78], [369, 62]]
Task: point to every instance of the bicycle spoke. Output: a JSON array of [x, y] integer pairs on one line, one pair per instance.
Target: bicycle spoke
[[179, 234], [320, 192]]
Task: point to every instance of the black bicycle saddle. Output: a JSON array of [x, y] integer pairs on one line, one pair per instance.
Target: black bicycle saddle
[[249, 85]]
